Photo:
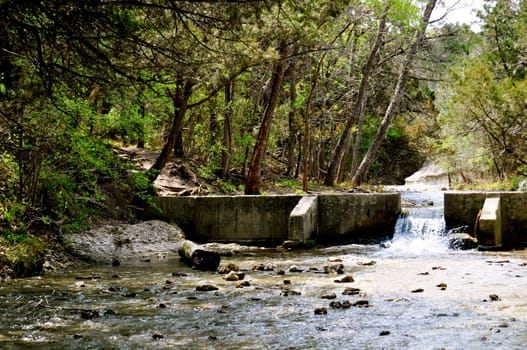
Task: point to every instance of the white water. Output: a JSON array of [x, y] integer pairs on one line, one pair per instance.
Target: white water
[[422, 229]]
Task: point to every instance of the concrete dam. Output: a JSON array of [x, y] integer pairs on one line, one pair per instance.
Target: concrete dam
[[497, 219]]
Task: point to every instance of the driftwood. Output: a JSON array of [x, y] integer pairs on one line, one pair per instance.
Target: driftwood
[[198, 257]]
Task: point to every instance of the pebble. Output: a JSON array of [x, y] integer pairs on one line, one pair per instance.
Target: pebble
[[321, 311], [418, 290], [351, 291], [345, 279], [362, 303], [206, 288], [383, 333], [295, 268], [494, 297], [329, 296]]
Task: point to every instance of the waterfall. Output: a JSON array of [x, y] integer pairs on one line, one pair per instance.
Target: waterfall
[[421, 228]]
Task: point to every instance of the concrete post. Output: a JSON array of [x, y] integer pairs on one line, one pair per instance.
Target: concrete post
[[489, 232], [303, 220]]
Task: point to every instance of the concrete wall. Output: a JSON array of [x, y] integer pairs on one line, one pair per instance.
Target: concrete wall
[[462, 208], [360, 216], [231, 218], [349, 217]]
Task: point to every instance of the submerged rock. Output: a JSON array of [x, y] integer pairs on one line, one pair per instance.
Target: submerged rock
[[206, 288]]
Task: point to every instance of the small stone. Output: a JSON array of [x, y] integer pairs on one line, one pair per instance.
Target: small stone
[[346, 304], [362, 303], [280, 272], [334, 260], [231, 276], [321, 311], [295, 268], [206, 288], [368, 263], [383, 333], [80, 284], [287, 282], [418, 290], [329, 296], [89, 314], [494, 297], [335, 305], [442, 286], [351, 291], [259, 267], [157, 336], [331, 269], [116, 262], [289, 292], [228, 268], [78, 336], [169, 282], [243, 284], [179, 274], [162, 306], [345, 279]]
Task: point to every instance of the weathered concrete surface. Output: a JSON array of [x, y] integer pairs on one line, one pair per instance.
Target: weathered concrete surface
[[303, 220], [266, 218], [231, 218], [489, 231], [462, 208], [363, 216]]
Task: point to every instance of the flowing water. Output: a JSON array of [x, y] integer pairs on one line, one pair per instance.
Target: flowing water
[[411, 293]]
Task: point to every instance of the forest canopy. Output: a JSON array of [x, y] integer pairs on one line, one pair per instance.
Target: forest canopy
[[336, 92]]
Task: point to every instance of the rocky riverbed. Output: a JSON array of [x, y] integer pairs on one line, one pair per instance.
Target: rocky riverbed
[[351, 296]]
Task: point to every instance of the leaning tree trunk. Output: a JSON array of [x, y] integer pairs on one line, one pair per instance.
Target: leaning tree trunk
[[252, 185], [226, 152], [345, 139], [396, 98], [180, 99]]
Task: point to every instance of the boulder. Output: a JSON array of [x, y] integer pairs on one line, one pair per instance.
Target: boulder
[[462, 241]]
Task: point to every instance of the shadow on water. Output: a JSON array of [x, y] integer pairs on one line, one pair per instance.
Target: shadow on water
[[414, 294]]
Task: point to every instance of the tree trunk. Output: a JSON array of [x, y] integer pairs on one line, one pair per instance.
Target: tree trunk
[[141, 137], [180, 99], [357, 110], [252, 185], [396, 98], [226, 152], [198, 257], [292, 131]]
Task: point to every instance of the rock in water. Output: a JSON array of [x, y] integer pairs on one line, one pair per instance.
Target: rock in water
[[462, 241]]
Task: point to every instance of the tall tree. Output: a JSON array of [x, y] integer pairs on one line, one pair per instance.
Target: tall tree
[[358, 107], [397, 95], [253, 182]]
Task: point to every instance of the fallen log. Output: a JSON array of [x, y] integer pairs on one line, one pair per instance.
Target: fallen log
[[197, 257]]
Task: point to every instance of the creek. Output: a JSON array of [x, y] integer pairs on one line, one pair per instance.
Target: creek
[[409, 293]]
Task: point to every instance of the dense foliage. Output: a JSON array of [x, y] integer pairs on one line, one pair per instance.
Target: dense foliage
[[244, 89]]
